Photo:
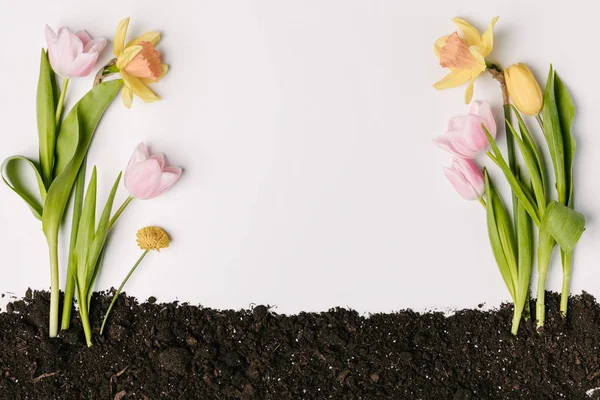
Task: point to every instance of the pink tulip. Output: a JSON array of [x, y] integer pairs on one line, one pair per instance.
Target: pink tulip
[[465, 137], [73, 54], [148, 175], [466, 178]]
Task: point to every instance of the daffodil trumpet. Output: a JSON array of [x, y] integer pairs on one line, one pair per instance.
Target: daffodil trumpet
[[148, 239]]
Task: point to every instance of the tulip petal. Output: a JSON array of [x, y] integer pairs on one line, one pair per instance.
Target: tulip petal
[[127, 55], [437, 46], [484, 110], [471, 35], [119, 43], [95, 46], [160, 157], [487, 40], [169, 176], [460, 184], [50, 35], [140, 154], [454, 147], [84, 37], [143, 178], [82, 65], [456, 77], [152, 37], [140, 90]]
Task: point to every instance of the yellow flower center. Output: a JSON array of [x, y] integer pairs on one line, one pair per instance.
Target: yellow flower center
[[152, 238]]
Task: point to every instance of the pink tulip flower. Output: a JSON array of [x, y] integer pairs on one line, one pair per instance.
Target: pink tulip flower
[[465, 137], [466, 178], [73, 54], [148, 175]]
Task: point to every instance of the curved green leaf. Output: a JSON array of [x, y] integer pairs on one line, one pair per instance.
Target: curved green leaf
[[13, 179], [564, 224]]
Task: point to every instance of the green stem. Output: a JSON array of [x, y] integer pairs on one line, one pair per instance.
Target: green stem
[[483, 203], [112, 303], [538, 118], [119, 212], [540, 311], [54, 289], [61, 102], [567, 260], [70, 284], [516, 320], [85, 319]]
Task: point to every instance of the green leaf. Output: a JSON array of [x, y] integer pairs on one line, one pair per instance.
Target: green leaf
[[46, 119], [525, 257], [532, 168], [504, 259], [12, 176], [78, 127], [521, 191], [86, 232], [566, 113], [564, 224], [554, 137], [530, 142], [100, 237]]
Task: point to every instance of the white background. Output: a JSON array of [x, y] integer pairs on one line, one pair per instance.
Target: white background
[[305, 130]]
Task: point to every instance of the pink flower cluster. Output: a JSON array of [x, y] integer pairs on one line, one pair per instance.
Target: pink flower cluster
[[466, 140]]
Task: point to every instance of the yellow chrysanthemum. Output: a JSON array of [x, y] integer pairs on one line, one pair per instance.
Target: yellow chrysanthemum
[[464, 56], [139, 63], [152, 238]]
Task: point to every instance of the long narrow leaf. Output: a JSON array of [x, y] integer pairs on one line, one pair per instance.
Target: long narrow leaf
[[525, 257], [554, 138], [566, 113], [495, 242], [530, 142], [532, 169], [46, 119], [86, 231], [100, 237]]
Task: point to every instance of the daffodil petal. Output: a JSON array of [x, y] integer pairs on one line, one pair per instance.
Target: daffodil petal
[[471, 35], [469, 91], [140, 90], [127, 96], [164, 69], [478, 56], [455, 78], [120, 36], [152, 37], [127, 55], [437, 46], [487, 40]]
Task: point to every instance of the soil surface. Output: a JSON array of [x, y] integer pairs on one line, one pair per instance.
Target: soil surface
[[177, 351]]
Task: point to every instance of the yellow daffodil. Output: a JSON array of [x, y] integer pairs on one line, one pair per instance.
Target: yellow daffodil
[[464, 56], [139, 64]]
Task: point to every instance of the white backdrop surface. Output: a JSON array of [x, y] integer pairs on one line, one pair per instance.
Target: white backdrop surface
[[304, 129]]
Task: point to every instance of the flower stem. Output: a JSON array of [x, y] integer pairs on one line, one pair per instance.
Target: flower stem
[[119, 212], [567, 259], [54, 289], [540, 311], [538, 118], [61, 102], [85, 319], [112, 303]]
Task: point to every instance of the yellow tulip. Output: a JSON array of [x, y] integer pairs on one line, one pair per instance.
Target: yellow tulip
[[139, 64], [524, 89], [464, 56]]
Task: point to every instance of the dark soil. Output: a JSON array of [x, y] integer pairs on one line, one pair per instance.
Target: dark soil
[[171, 351]]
